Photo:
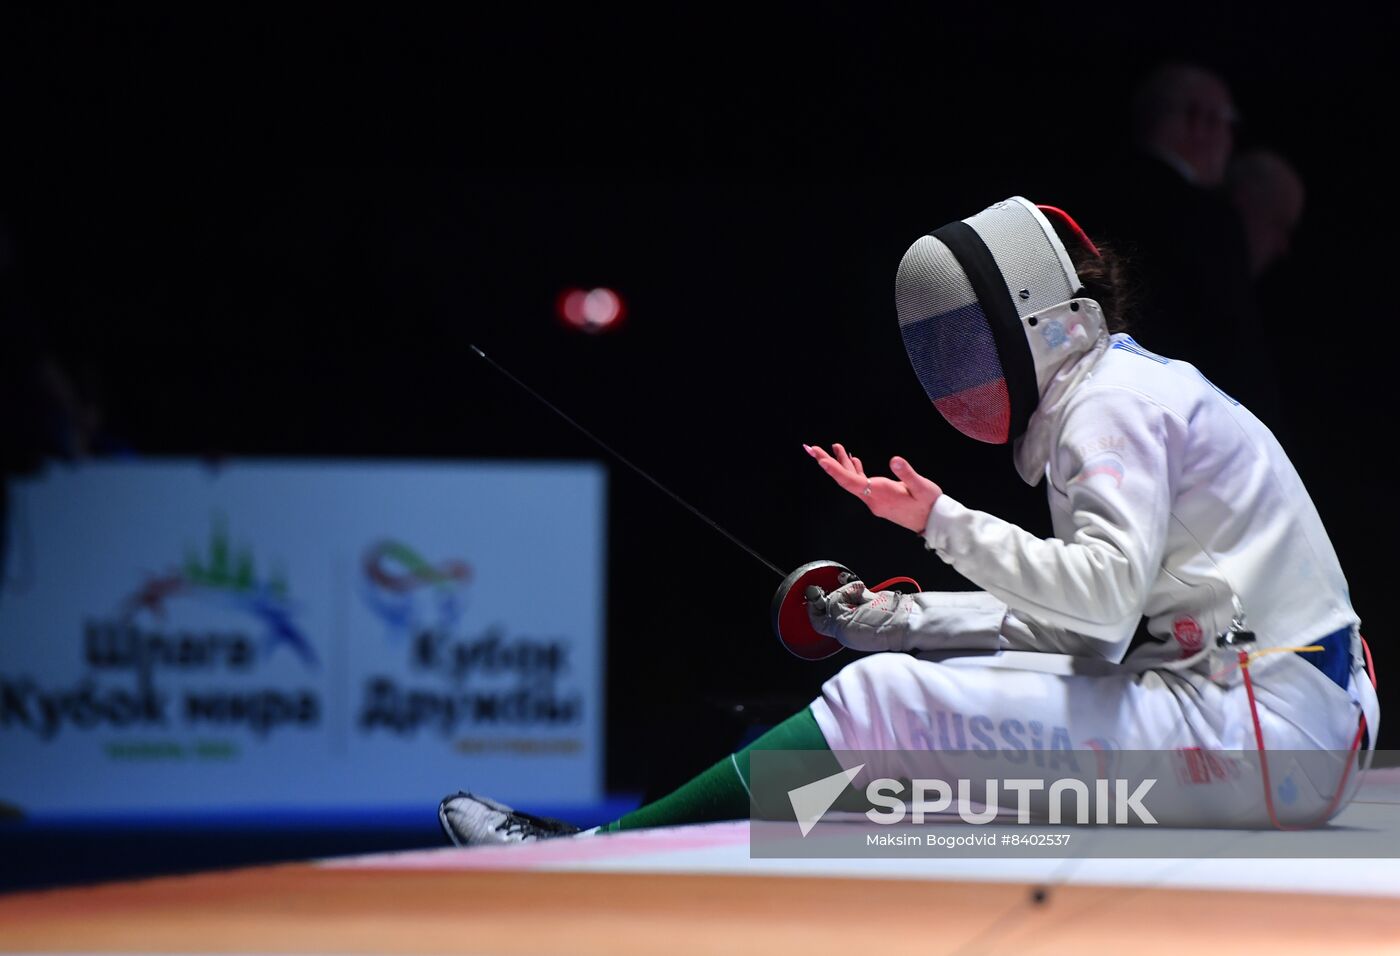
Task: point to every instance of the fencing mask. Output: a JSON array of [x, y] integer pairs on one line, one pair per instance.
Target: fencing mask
[[988, 310]]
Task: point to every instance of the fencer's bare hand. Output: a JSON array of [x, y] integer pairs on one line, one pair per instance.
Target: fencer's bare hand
[[905, 499]]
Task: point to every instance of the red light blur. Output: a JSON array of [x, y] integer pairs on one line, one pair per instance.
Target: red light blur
[[591, 310]]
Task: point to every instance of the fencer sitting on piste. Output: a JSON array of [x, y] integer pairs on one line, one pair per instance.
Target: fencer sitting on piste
[[1169, 502]]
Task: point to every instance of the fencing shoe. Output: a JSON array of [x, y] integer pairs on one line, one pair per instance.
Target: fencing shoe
[[469, 820]]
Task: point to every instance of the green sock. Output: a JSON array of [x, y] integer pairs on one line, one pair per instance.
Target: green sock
[[722, 792]]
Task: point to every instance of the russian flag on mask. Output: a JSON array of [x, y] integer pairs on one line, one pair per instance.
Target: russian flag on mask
[[955, 359]]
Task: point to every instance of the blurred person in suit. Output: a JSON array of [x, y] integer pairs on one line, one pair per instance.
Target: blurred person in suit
[[1164, 204], [1269, 195]]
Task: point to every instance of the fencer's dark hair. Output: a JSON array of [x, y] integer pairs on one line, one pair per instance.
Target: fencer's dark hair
[[1107, 278]]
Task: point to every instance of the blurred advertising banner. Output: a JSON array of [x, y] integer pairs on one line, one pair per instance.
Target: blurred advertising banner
[[299, 635]]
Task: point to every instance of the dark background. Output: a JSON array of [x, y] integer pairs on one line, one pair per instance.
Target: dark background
[[272, 231]]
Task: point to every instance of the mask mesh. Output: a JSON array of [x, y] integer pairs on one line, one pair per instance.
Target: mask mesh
[[950, 343], [1024, 255]]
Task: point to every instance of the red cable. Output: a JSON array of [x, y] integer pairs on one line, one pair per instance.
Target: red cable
[[884, 584], [1074, 227], [1263, 753]]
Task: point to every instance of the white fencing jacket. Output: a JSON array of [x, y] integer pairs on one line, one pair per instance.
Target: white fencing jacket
[[1169, 500]]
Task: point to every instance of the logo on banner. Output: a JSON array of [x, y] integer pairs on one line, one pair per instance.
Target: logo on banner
[[174, 658], [411, 594], [462, 676], [224, 579]]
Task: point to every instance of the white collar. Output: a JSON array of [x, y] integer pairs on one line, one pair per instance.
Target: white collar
[[1032, 450]]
